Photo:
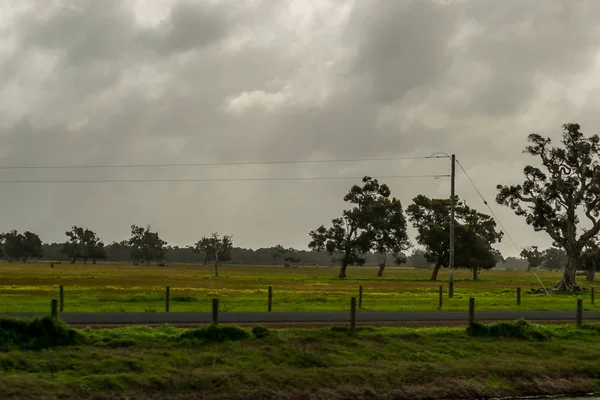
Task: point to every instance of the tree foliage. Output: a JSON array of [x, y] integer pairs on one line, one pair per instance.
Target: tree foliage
[[556, 196], [431, 219], [216, 248], [21, 246], [84, 244], [554, 259], [145, 245], [279, 251], [590, 261], [475, 233], [534, 257], [388, 232], [365, 226]]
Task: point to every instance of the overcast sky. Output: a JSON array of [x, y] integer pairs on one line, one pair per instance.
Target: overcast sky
[[171, 81]]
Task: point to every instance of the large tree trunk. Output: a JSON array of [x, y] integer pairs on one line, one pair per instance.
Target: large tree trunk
[[591, 275], [216, 269], [343, 269], [73, 260], [475, 273], [94, 261], [436, 270], [381, 268], [568, 282]]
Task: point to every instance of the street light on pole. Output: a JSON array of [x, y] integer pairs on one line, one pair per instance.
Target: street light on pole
[[452, 205]]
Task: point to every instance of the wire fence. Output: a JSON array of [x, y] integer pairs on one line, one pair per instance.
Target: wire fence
[[23, 299]]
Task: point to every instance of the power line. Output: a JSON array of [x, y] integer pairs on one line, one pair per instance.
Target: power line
[[497, 220], [207, 164], [487, 205], [220, 179]]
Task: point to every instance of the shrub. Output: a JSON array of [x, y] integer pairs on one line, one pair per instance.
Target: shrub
[[184, 299], [215, 333], [520, 329], [37, 333], [260, 331]]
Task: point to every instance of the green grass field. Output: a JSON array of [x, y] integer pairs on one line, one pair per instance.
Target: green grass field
[[128, 288], [230, 363]]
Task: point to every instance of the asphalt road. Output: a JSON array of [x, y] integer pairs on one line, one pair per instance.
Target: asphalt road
[[307, 317]]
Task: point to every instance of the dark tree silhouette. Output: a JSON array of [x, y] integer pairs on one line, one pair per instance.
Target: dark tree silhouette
[[534, 257], [216, 248], [590, 261], [475, 232], [554, 201], [388, 230], [145, 245], [21, 246], [351, 236], [554, 259]]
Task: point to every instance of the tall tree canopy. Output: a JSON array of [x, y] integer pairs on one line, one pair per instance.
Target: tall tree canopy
[[21, 246], [84, 244], [145, 245], [73, 246], [534, 257], [365, 226], [431, 219], [475, 233], [215, 248], [556, 198], [93, 247], [388, 230]]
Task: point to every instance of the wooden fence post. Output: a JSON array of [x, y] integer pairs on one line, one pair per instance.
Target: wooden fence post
[[518, 296], [167, 298], [62, 298], [360, 295], [270, 305], [54, 308], [579, 312], [352, 315], [441, 296], [471, 312], [215, 311], [450, 289]]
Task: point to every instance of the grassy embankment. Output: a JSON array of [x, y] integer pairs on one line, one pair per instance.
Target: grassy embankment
[[233, 363], [127, 288]]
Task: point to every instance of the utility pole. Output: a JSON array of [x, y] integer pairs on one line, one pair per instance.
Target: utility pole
[[451, 261]]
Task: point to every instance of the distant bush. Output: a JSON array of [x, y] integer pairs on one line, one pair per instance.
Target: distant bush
[[36, 334], [215, 333], [260, 331], [520, 329], [184, 299]]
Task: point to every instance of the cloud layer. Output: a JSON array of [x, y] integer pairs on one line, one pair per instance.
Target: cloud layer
[[110, 82]]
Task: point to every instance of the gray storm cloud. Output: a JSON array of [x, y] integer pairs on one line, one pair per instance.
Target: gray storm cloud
[[113, 82]]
